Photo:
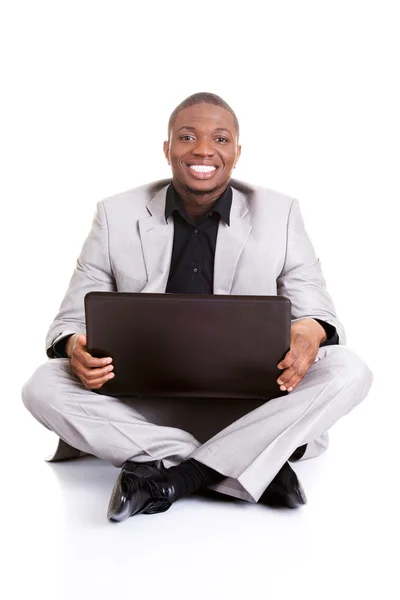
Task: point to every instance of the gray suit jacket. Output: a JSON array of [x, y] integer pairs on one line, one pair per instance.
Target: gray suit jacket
[[264, 251]]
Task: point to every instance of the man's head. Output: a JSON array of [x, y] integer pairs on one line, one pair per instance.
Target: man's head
[[202, 146]]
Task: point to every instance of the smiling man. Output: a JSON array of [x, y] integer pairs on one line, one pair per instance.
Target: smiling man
[[200, 232], [202, 150]]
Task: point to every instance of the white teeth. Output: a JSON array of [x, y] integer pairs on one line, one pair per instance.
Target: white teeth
[[202, 168]]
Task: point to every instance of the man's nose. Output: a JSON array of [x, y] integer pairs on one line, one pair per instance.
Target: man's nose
[[203, 147]]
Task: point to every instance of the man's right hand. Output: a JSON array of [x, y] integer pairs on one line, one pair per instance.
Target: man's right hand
[[93, 372]]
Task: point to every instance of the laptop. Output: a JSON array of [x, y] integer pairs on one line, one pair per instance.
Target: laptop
[[186, 345]]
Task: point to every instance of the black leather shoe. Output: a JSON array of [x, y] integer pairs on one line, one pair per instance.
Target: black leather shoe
[[284, 490], [140, 488]]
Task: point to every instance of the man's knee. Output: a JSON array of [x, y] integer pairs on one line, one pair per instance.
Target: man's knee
[[353, 373], [34, 389], [357, 370], [41, 388]]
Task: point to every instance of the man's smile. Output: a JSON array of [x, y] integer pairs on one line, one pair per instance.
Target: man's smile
[[202, 171]]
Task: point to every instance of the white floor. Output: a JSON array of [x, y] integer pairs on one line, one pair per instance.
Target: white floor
[[344, 542]]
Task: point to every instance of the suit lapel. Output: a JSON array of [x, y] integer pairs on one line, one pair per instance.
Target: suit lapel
[[230, 243], [157, 237]]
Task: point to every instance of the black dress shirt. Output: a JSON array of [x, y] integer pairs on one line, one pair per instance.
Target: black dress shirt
[[193, 252]]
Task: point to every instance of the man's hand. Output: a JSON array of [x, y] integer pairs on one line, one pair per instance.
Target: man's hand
[[93, 372], [305, 338]]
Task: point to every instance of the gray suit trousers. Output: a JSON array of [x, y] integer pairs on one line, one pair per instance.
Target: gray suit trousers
[[246, 441]]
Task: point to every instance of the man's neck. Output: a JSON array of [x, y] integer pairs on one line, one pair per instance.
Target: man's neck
[[197, 205]]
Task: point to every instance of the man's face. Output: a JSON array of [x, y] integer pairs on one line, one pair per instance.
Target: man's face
[[202, 149]]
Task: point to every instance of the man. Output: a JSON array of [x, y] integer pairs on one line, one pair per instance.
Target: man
[[201, 232]]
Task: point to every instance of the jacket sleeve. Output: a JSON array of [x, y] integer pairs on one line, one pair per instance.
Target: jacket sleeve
[[301, 279], [92, 273]]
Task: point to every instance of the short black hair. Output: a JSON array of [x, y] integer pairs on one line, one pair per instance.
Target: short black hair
[[200, 98]]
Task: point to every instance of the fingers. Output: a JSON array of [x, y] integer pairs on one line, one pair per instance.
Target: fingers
[[296, 363], [291, 377], [98, 383], [289, 359], [93, 372], [90, 362], [80, 354], [94, 378]]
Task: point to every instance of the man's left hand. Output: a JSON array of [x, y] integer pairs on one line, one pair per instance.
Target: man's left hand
[[305, 337]]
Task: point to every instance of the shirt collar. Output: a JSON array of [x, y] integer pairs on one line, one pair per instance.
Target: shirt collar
[[222, 205]]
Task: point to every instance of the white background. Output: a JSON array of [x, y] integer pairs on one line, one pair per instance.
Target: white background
[[87, 89]]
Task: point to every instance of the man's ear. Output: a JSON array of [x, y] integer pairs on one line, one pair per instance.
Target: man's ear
[[166, 151], [239, 151]]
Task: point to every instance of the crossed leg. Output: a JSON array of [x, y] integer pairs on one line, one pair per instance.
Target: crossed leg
[[247, 446]]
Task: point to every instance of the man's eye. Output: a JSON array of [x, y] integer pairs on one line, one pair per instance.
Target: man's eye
[[186, 137], [222, 139]]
